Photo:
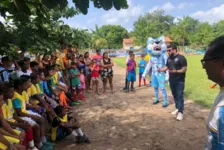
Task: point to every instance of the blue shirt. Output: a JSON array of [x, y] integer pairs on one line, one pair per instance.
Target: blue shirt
[[142, 65]]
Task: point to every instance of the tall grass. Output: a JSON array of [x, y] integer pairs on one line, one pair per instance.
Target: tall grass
[[197, 84]]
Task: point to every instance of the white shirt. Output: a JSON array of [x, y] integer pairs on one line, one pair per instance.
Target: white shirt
[[20, 73]]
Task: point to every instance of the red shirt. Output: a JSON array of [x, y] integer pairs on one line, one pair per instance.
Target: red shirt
[[95, 74]]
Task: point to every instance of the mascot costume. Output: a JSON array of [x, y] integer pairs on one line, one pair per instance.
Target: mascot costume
[[157, 49]]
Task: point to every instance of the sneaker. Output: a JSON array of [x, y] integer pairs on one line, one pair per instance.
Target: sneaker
[[45, 147], [49, 144], [155, 102], [82, 97], [165, 104], [127, 90], [132, 89], [174, 112], [179, 116], [82, 139]]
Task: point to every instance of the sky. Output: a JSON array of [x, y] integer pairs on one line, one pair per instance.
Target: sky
[[211, 11]]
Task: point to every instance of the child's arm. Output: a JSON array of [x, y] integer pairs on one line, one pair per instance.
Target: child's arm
[[6, 126], [6, 142]]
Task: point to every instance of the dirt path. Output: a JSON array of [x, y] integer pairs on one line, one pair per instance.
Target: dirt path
[[122, 121]]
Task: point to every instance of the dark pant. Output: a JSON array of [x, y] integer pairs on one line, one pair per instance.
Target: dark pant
[[177, 89]]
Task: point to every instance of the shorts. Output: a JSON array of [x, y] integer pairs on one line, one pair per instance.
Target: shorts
[[42, 110], [131, 77], [61, 134], [77, 87], [30, 121], [95, 78], [140, 75], [158, 81]]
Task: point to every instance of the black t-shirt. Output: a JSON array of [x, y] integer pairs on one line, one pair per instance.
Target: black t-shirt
[[176, 63], [56, 121]]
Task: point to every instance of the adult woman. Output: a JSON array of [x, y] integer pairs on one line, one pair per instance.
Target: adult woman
[[107, 72], [45, 61], [87, 61]]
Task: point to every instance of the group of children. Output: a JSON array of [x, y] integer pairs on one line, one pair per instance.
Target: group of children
[[130, 76], [34, 94]]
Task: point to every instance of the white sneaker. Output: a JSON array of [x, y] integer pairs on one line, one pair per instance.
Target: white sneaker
[[174, 112], [179, 116]]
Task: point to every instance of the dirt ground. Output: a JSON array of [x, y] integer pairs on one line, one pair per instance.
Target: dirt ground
[[129, 121]]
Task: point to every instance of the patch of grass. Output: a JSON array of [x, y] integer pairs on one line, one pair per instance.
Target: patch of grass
[[197, 83]]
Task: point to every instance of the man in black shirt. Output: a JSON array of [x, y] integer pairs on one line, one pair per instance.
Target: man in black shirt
[[177, 67]]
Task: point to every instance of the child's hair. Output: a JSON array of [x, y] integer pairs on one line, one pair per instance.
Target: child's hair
[[40, 71], [94, 59], [34, 76], [34, 63], [25, 59], [58, 109], [5, 86], [85, 55], [142, 55], [21, 63], [19, 82], [73, 63], [132, 54]]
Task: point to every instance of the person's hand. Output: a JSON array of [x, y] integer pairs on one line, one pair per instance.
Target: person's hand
[[11, 147], [37, 108], [159, 70], [172, 71]]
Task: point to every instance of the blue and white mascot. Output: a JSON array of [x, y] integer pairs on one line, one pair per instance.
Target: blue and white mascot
[[156, 47]]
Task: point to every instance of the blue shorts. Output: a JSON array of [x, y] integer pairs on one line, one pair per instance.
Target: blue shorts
[[140, 75], [42, 110], [131, 77], [158, 81], [61, 134]]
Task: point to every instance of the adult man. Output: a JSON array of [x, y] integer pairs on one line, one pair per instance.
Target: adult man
[[5, 70], [177, 67], [213, 63]]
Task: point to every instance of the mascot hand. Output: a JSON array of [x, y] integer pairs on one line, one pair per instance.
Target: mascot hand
[[143, 76]]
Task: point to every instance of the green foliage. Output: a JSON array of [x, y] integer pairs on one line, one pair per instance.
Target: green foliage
[[152, 25], [111, 35], [34, 25]]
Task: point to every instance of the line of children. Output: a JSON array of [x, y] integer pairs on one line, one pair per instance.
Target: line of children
[[38, 96]]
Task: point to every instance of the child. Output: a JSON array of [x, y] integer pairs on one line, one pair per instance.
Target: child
[[82, 80], [46, 91], [11, 138], [126, 82], [141, 65], [74, 71], [12, 119], [131, 72], [20, 103], [62, 126], [95, 76]]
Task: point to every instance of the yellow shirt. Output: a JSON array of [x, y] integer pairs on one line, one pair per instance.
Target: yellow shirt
[[23, 101], [147, 58], [8, 111], [33, 90]]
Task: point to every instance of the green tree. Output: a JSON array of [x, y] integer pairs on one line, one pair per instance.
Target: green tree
[[203, 36], [219, 28], [152, 24], [36, 27], [183, 31], [111, 35]]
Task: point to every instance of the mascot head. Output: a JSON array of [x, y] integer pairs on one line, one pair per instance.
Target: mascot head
[[156, 46]]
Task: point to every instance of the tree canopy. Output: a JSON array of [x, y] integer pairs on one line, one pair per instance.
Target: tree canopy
[[35, 25], [184, 31], [108, 36]]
